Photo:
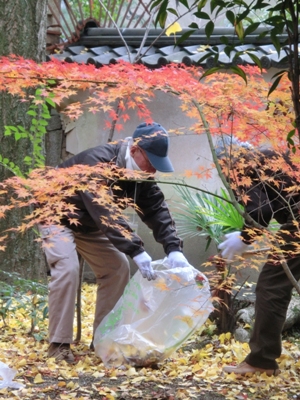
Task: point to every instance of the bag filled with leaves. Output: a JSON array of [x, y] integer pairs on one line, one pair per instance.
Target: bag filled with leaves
[[153, 318]]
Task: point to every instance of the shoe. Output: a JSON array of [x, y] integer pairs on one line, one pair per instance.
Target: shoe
[[61, 351], [244, 368], [92, 347]]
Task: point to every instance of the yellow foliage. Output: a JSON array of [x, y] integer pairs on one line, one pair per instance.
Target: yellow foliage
[[173, 28]]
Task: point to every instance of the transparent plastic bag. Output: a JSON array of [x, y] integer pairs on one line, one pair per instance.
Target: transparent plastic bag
[[153, 318], [8, 375]]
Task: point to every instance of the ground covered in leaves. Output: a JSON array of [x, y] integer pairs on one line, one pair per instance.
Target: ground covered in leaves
[[193, 372]]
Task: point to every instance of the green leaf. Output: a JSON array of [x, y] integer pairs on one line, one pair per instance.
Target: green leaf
[[42, 129], [231, 17], [18, 136], [194, 26], [185, 36], [162, 14], [172, 11], [50, 102], [201, 15], [251, 28], [275, 84], [184, 3], [241, 17], [155, 4], [201, 4], [209, 215], [8, 130], [207, 55], [46, 115], [240, 30], [209, 28], [228, 50], [43, 122], [210, 71], [275, 41], [255, 59], [259, 5], [31, 112], [238, 71], [224, 40], [290, 135]]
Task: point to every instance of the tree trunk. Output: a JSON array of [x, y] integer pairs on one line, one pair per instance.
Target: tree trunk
[[23, 33]]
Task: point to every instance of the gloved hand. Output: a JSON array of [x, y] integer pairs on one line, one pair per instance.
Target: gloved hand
[[177, 259], [143, 261], [232, 246]]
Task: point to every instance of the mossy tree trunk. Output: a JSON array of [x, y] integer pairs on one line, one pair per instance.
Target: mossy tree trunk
[[23, 33]]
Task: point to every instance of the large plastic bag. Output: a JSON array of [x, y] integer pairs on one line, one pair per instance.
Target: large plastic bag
[[153, 318], [8, 375]]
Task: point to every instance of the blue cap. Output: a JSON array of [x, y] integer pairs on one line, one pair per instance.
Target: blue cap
[[154, 140]]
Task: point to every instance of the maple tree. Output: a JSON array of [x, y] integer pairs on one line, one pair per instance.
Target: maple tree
[[219, 105]]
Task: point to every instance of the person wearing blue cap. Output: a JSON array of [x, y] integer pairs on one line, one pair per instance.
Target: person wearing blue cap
[[105, 248]]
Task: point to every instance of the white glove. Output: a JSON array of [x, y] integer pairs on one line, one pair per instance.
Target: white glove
[[143, 261], [232, 246], [177, 259]]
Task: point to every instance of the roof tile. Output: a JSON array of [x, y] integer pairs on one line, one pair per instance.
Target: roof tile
[[103, 46]]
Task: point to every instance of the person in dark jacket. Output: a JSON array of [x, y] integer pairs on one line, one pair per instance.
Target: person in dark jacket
[[272, 194], [102, 246]]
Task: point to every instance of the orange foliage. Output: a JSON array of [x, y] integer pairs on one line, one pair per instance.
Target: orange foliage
[[228, 105]]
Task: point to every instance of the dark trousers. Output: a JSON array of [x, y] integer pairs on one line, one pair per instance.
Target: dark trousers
[[273, 295]]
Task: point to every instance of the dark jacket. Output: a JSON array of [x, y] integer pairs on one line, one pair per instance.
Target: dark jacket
[[268, 194], [152, 208]]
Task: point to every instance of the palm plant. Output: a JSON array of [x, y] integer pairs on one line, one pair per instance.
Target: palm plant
[[203, 214], [212, 215]]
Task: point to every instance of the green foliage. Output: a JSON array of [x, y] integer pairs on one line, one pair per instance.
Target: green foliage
[[27, 297], [85, 8], [208, 215], [40, 115]]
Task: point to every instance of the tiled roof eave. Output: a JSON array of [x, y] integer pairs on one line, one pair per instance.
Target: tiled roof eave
[[103, 46]]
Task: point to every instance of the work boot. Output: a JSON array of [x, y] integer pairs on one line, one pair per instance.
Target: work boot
[[244, 368], [61, 351]]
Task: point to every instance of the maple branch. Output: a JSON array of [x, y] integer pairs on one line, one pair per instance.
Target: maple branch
[[139, 56], [286, 267], [45, 79], [180, 184], [113, 124], [117, 28], [216, 161]]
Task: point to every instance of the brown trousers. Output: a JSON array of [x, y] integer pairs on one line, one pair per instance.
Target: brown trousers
[[273, 295], [110, 266]]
